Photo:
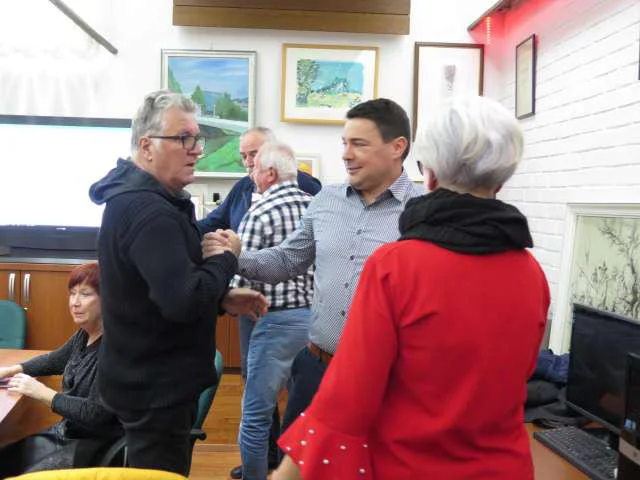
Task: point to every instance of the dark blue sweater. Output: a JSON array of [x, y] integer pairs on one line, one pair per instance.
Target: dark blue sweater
[[229, 214]]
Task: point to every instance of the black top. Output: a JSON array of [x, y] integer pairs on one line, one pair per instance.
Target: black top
[[78, 404], [159, 297]]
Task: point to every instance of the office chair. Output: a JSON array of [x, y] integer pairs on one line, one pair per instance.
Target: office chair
[[13, 325], [100, 473], [117, 453]]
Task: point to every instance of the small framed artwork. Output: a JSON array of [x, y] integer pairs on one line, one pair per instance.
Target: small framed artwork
[[198, 204], [222, 84], [320, 83], [526, 78], [309, 163], [600, 265], [443, 71]]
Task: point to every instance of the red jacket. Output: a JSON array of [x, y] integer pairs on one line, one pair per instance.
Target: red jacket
[[429, 381]]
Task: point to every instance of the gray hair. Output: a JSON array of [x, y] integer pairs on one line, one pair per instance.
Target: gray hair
[[473, 143], [279, 156], [267, 133], [148, 118]]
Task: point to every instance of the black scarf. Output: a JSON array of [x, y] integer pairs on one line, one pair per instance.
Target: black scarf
[[464, 223]]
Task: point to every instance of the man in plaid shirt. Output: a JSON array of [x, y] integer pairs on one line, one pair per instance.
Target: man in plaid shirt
[[283, 331]]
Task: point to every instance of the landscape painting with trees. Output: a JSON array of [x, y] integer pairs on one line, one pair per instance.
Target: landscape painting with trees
[[222, 85], [320, 83], [329, 84]]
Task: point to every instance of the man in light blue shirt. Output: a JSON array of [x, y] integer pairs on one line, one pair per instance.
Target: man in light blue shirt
[[343, 225]]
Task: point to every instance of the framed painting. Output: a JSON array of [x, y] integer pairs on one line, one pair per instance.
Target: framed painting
[[222, 84], [526, 78], [309, 163], [600, 265], [320, 83], [443, 71]]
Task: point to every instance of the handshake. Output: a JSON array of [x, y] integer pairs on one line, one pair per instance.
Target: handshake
[[220, 241]]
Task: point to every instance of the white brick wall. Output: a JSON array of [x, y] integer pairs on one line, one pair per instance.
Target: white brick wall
[[583, 144]]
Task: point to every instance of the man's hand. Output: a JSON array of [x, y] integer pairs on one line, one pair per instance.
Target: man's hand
[[244, 301], [219, 242], [29, 386]]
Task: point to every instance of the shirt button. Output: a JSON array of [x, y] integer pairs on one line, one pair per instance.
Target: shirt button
[[343, 313], [346, 285], [358, 232], [351, 257]]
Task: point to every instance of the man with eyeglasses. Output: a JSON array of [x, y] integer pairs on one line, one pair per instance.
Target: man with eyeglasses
[[160, 295], [228, 216]]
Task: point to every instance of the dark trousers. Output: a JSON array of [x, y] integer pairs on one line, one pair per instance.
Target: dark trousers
[[159, 438], [306, 374]]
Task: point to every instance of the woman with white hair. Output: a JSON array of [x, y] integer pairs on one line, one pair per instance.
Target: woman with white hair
[[429, 379]]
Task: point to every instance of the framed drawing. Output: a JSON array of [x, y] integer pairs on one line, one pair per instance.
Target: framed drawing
[[600, 265], [526, 77], [222, 84], [442, 71], [320, 83], [309, 163]]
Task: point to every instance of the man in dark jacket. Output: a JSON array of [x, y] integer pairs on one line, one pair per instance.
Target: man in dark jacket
[[160, 297]]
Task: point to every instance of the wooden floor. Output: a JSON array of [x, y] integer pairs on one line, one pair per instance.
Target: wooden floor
[[213, 465], [218, 454]]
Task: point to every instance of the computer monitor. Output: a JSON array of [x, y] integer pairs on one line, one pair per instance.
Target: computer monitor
[[629, 458], [600, 342]]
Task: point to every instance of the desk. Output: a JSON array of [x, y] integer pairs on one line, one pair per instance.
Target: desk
[[21, 416], [549, 465]]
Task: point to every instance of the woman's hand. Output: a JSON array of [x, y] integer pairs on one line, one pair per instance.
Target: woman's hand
[[10, 371], [29, 386], [286, 471]]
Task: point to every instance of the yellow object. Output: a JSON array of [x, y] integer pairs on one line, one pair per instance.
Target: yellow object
[[101, 473]]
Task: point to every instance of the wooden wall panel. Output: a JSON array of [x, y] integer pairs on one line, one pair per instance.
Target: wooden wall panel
[[359, 16], [290, 20], [394, 7]]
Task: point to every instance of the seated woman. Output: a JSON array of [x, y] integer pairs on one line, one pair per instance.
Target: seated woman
[[429, 379], [86, 427]]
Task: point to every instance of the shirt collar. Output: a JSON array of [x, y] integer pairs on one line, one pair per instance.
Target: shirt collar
[[398, 188], [279, 186]]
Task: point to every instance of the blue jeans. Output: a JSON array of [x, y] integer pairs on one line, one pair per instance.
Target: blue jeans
[[245, 329], [274, 343], [306, 374]]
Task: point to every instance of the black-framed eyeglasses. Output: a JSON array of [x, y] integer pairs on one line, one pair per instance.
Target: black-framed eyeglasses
[[189, 142], [420, 167]]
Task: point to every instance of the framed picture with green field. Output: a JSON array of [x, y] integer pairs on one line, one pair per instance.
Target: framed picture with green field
[[222, 84], [320, 83]]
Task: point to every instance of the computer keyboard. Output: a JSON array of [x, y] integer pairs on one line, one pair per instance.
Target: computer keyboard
[[586, 452]]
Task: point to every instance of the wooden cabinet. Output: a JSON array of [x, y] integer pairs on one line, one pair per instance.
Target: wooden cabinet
[[228, 341], [41, 289]]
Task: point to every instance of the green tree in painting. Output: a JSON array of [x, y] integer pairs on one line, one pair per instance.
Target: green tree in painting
[[226, 108], [198, 98], [306, 74], [174, 85]]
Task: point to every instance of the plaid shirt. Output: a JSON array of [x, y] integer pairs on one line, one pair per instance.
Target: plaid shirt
[[266, 224]]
